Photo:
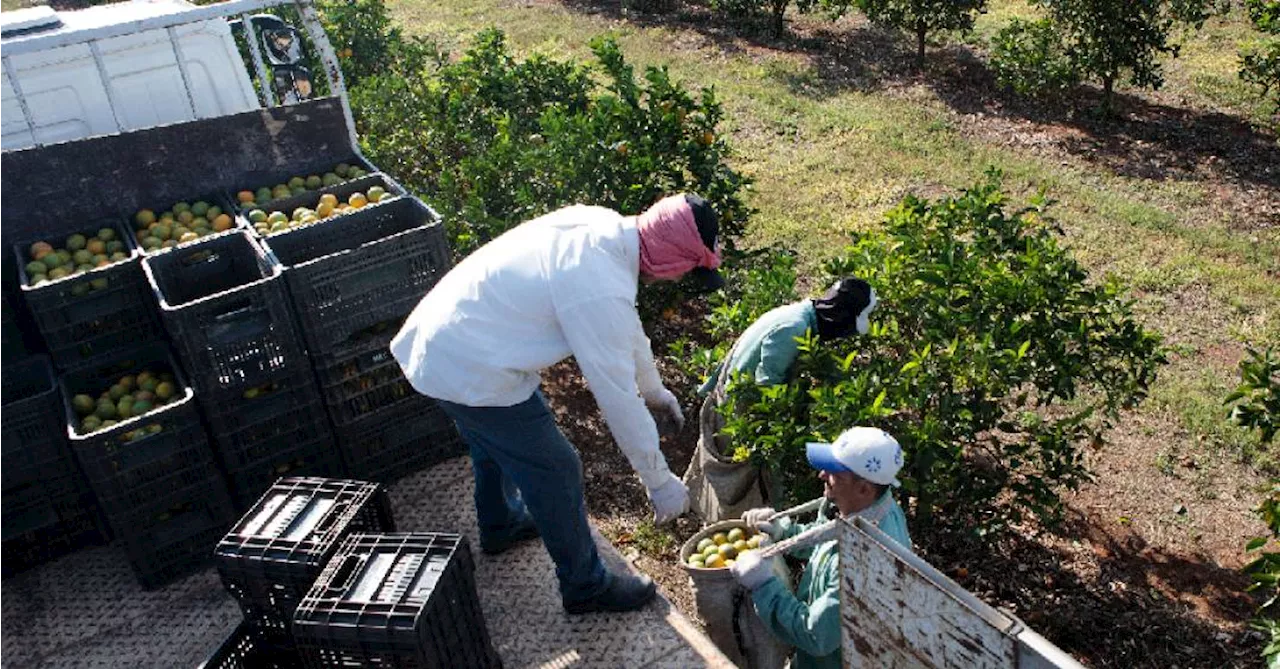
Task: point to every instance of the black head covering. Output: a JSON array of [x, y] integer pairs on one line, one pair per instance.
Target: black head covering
[[709, 230], [842, 306]]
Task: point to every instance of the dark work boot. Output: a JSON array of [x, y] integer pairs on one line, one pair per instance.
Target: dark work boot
[[625, 593], [499, 543]]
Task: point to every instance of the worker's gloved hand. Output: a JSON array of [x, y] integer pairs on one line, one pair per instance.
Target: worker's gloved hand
[[751, 570], [663, 400], [670, 498], [759, 519]]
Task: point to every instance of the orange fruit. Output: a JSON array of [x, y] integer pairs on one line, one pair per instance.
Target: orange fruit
[[222, 223], [357, 200], [245, 196]]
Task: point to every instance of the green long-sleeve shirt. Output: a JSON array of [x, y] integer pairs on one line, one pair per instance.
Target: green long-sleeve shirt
[[809, 619], [768, 347]]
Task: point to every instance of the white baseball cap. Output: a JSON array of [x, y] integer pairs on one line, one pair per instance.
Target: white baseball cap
[[868, 452]]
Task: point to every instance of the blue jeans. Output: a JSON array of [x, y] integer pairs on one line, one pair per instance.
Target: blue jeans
[[524, 466]]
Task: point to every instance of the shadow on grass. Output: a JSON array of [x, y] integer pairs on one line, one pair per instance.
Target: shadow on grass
[[1142, 139]]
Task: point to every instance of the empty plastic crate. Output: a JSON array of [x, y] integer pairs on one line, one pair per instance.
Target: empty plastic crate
[[342, 193], [243, 649], [90, 314], [224, 305], [274, 552], [395, 600], [358, 275], [387, 446], [133, 462]]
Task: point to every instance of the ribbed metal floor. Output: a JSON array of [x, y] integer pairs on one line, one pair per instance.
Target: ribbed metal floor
[[85, 610]]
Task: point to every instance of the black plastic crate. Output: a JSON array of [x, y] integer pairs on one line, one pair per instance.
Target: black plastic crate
[[224, 304], [395, 600], [254, 181], [311, 200], [12, 345], [274, 552], [90, 314], [414, 436], [32, 439], [220, 201], [357, 274], [41, 527], [379, 390], [310, 451], [244, 649], [175, 534], [131, 463]]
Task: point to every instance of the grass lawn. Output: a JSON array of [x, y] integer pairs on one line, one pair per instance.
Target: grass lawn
[[1180, 198]]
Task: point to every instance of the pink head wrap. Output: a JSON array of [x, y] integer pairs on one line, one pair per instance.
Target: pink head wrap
[[670, 245]]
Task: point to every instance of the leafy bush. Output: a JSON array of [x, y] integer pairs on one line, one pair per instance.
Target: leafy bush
[[776, 9], [1260, 60], [992, 358], [1255, 404], [1264, 571], [493, 141], [922, 17], [1028, 57], [1257, 399]]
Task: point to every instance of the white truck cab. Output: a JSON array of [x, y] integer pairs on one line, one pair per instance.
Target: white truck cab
[[62, 85]]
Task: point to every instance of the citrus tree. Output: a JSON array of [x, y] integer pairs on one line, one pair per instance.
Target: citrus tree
[[492, 140], [1260, 60], [1106, 41], [922, 17], [993, 358]]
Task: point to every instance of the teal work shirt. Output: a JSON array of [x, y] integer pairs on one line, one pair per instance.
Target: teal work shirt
[[809, 619], [768, 347]]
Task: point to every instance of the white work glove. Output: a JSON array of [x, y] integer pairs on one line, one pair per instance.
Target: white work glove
[[751, 570], [759, 519], [670, 499], [665, 401]]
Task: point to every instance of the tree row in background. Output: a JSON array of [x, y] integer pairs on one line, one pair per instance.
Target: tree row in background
[[1106, 42]]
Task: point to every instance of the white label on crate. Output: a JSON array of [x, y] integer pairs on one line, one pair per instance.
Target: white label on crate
[[374, 571], [309, 518], [255, 524]]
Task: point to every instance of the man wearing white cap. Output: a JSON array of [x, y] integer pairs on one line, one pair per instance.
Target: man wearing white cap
[[859, 471]]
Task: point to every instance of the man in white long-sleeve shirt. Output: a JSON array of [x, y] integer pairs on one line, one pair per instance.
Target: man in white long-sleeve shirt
[[559, 285]]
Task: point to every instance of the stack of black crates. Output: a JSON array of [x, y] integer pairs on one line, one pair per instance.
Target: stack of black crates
[[224, 305], [271, 557], [153, 474], [47, 509], [395, 600], [353, 280]]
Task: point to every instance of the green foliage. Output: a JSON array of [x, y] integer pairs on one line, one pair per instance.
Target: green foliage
[[1255, 404], [1028, 57], [1264, 572], [1107, 39], [362, 34], [923, 17], [1257, 399], [755, 282], [992, 358], [1260, 60], [493, 141]]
